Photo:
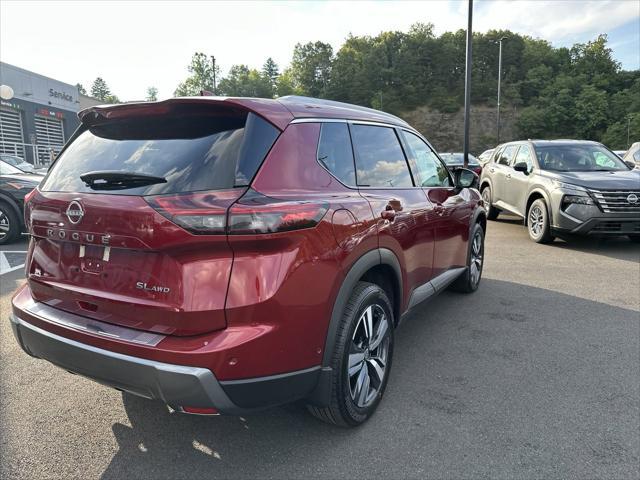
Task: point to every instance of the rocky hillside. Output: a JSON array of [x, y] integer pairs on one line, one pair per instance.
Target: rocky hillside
[[446, 130]]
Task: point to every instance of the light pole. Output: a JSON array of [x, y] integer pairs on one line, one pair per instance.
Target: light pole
[[467, 85], [499, 81], [213, 64], [628, 131]]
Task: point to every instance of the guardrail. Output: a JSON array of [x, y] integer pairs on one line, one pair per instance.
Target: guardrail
[[39, 155]]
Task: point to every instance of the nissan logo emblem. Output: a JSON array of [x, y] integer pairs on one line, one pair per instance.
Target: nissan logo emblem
[[632, 198], [75, 212]]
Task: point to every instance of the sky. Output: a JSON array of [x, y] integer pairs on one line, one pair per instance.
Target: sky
[[134, 45]]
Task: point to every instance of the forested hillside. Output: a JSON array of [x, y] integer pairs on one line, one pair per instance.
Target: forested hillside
[[547, 92]]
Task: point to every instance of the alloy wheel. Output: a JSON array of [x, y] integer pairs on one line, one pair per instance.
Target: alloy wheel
[[476, 258], [536, 221], [5, 225], [486, 198], [368, 356]]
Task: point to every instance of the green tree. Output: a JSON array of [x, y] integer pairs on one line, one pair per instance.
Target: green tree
[[311, 67], [152, 94], [100, 89], [245, 82], [81, 89], [270, 72], [201, 78]]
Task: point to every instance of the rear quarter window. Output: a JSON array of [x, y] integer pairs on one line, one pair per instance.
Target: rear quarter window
[[192, 153]]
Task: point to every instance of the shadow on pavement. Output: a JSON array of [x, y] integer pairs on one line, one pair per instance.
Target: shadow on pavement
[[512, 381]]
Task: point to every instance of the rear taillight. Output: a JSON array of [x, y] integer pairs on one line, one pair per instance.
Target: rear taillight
[[255, 213], [205, 213], [202, 213]]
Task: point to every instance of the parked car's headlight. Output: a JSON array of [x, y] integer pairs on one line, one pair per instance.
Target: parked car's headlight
[[568, 186], [576, 200]]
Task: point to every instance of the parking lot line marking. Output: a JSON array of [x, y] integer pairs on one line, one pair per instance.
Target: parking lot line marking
[[5, 266]]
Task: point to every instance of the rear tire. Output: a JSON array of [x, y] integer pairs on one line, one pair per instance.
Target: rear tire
[[361, 359], [9, 224], [538, 224], [468, 282], [492, 212]]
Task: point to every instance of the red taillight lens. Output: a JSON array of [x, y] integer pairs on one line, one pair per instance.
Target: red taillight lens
[[30, 195], [478, 170], [202, 213], [255, 213]]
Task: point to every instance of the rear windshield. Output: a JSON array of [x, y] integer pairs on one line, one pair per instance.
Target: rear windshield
[[191, 153]]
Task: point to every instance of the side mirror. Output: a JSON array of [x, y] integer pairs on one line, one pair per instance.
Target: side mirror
[[465, 178], [630, 163], [521, 167]]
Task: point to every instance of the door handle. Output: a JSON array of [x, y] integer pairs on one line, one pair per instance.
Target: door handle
[[388, 213], [508, 175]]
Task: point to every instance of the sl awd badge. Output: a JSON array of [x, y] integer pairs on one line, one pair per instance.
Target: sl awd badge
[[152, 288]]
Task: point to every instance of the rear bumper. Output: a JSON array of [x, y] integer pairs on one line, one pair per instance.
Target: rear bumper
[[176, 385]]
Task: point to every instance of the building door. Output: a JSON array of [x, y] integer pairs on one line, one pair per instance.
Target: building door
[[49, 136], [11, 137]]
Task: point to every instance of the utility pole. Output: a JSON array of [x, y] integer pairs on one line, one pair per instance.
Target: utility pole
[[213, 64], [467, 85], [499, 81], [628, 131]]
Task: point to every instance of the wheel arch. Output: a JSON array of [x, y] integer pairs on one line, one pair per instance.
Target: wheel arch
[[4, 198], [533, 196]]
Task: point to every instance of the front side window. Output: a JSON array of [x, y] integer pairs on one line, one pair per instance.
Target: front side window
[[578, 158], [335, 152], [524, 156], [380, 161], [430, 172], [507, 155]]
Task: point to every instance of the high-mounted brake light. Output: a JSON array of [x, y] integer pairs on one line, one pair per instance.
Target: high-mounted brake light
[[255, 213], [202, 213]]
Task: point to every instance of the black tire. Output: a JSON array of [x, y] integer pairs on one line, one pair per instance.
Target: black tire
[[344, 409], [468, 282], [634, 238], [539, 228], [9, 224], [492, 212]]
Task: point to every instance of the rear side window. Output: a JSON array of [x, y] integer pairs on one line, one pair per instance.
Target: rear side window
[[335, 152], [191, 153], [380, 161]]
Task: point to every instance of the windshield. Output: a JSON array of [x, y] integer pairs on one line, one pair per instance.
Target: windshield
[[578, 158], [458, 159], [6, 169]]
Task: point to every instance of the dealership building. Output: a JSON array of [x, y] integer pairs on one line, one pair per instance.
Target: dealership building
[[37, 114]]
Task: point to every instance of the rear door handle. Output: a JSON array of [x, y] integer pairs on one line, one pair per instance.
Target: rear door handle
[[508, 175], [492, 170]]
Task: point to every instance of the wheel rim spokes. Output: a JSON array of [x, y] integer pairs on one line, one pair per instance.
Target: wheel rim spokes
[[536, 220], [367, 359], [476, 258], [4, 225]]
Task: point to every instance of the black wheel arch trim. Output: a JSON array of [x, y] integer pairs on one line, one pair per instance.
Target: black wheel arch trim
[[321, 395]]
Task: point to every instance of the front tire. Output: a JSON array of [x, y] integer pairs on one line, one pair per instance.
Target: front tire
[[9, 225], [538, 224], [361, 359], [468, 282], [492, 212]]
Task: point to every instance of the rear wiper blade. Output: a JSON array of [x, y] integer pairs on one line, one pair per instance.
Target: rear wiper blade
[[115, 180]]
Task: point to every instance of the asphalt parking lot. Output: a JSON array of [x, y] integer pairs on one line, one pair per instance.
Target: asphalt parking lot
[[536, 375]]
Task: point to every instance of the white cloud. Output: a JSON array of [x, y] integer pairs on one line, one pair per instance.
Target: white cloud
[[133, 45]]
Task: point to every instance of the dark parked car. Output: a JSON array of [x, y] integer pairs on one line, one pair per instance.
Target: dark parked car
[[456, 160], [563, 187], [226, 255], [17, 162], [14, 186]]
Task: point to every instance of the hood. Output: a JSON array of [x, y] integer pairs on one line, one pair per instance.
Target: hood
[[618, 180], [24, 177]]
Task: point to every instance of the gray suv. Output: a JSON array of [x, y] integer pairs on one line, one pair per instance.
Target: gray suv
[[563, 187]]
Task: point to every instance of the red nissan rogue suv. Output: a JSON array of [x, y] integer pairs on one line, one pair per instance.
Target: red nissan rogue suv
[[224, 255]]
